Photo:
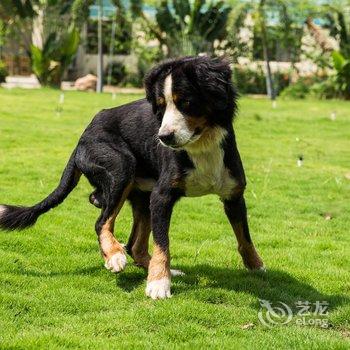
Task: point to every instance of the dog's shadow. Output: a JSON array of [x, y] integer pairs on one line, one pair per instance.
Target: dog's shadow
[[273, 285], [130, 280]]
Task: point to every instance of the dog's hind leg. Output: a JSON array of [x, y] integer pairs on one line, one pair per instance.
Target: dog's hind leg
[[96, 199], [112, 174], [111, 250], [137, 246]]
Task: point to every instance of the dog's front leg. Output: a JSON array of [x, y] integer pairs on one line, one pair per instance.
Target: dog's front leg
[[236, 212], [158, 280]]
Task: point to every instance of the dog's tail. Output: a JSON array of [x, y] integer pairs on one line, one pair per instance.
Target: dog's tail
[[19, 217]]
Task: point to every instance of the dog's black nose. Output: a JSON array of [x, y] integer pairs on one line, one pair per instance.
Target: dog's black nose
[[168, 139]]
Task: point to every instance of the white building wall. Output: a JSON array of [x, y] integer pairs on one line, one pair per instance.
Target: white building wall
[[87, 63]]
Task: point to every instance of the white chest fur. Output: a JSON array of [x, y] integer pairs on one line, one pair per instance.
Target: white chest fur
[[209, 175]]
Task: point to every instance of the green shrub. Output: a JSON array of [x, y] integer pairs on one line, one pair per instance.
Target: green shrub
[[298, 90], [133, 79], [336, 85], [3, 72], [249, 81], [341, 80], [316, 86], [118, 73], [326, 89], [253, 81], [122, 41], [281, 81], [50, 62], [147, 57]]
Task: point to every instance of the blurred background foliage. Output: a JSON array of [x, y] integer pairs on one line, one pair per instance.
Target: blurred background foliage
[[297, 48]]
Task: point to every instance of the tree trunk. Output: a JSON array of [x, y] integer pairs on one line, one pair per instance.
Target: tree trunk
[[99, 86], [269, 81], [38, 29]]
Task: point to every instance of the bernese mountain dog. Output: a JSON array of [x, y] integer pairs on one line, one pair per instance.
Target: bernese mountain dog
[[177, 142]]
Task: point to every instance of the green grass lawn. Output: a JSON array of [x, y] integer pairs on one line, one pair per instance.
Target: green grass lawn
[[55, 292]]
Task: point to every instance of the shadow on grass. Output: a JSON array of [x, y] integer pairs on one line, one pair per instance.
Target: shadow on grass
[[273, 285], [87, 271], [127, 280], [130, 280]]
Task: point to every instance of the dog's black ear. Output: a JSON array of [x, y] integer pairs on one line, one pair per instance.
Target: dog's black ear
[[213, 78], [156, 73], [149, 82], [151, 78]]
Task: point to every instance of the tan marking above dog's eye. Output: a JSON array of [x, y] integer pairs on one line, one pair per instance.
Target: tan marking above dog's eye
[[175, 97], [160, 101]]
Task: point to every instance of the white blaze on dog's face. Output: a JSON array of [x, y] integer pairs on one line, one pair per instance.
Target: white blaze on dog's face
[[174, 122]]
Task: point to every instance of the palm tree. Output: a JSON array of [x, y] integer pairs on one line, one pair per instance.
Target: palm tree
[[9, 9], [290, 16], [338, 24], [186, 27]]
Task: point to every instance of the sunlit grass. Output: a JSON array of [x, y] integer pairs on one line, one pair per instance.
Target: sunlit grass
[[55, 292]]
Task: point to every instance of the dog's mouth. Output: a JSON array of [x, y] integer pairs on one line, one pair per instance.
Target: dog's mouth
[[195, 136]]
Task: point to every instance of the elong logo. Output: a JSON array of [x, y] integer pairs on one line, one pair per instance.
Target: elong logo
[[280, 313]]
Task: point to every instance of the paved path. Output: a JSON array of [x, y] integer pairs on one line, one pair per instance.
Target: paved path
[[25, 82], [31, 82]]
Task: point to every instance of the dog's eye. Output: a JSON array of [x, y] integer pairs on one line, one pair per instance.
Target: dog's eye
[[185, 103]]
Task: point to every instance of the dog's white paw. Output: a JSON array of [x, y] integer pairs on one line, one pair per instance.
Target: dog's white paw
[[116, 263], [176, 272], [158, 289]]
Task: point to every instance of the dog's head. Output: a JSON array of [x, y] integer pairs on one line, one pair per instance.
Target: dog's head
[[191, 97]]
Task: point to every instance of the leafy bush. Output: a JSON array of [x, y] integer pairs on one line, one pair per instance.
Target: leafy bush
[[249, 81], [326, 89], [121, 44], [118, 73], [3, 72], [281, 81], [147, 57], [133, 79], [336, 85], [191, 27], [50, 62], [253, 81], [298, 90], [342, 77]]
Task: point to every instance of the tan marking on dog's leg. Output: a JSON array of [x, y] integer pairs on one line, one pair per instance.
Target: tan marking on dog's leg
[[140, 235], [141, 231], [250, 256], [111, 250], [159, 277]]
